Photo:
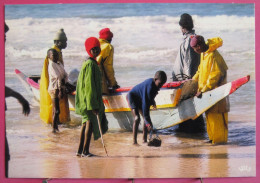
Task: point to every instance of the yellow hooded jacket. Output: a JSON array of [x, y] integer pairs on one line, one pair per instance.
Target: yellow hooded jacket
[[105, 61], [212, 72], [45, 99]]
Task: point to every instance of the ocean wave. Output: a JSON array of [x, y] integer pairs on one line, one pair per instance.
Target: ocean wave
[[134, 36]]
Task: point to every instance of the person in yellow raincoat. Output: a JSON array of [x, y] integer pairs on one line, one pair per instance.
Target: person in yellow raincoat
[[60, 42], [212, 73], [105, 61]]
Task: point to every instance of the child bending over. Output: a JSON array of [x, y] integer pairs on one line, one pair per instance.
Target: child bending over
[[140, 98]]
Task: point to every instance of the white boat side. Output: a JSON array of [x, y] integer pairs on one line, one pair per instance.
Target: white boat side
[[167, 114]]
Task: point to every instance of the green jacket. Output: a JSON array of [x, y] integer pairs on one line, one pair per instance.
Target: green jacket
[[89, 96]]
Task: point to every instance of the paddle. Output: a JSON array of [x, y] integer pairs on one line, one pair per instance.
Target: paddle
[[99, 126]]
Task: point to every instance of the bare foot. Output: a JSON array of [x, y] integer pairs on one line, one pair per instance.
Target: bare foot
[[78, 154], [87, 155], [136, 144]]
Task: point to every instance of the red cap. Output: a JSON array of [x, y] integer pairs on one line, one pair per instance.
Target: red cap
[[105, 34], [90, 43], [196, 40]]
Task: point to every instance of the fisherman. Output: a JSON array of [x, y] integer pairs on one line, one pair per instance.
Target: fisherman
[[140, 98], [60, 42], [26, 110], [187, 60], [212, 73], [105, 61], [88, 98], [186, 65], [57, 79]]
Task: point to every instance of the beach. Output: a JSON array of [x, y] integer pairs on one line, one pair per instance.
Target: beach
[[145, 41], [37, 152]]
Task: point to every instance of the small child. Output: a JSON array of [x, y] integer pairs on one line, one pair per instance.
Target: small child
[[140, 98], [57, 79], [88, 99]]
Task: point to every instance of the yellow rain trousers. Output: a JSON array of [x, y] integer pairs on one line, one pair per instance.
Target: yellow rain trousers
[[105, 61], [212, 72], [45, 98], [217, 127]]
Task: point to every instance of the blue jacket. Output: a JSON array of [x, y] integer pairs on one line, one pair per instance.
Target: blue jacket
[[142, 95]]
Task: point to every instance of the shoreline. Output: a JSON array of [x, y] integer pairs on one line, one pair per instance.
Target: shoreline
[[181, 155]]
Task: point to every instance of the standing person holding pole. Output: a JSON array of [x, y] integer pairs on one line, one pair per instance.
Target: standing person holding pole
[[89, 103]]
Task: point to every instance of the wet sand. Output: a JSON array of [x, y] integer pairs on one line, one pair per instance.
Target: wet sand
[[38, 153]]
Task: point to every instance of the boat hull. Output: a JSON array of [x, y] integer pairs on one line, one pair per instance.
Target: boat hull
[[169, 111]]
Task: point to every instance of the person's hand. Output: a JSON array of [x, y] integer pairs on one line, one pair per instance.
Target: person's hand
[[154, 106], [199, 94], [113, 88], [95, 111], [149, 127], [116, 87], [26, 106]]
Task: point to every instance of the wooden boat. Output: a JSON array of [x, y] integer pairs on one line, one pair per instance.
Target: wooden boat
[[170, 111]]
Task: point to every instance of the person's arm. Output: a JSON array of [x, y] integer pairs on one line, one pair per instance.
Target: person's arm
[[25, 104], [148, 99], [54, 76], [213, 76], [191, 59], [91, 88], [54, 79], [108, 67], [188, 58], [146, 115]]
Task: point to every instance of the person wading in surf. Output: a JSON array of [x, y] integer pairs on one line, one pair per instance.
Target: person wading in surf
[[57, 79], [185, 65], [46, 112], [212, 73], [88, 99]]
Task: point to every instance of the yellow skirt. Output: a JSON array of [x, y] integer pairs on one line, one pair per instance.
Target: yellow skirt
[[217, 127]]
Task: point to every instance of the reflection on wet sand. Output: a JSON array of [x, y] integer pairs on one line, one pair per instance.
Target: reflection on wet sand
[[56, 158], [36, 152]]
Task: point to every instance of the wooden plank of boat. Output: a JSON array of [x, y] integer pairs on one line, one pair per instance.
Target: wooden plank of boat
[[119, 114]]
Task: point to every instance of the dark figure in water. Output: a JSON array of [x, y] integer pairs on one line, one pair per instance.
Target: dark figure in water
[[186, 65]]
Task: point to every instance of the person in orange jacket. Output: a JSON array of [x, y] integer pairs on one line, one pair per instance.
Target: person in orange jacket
[[105, 61], [212, 73]]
